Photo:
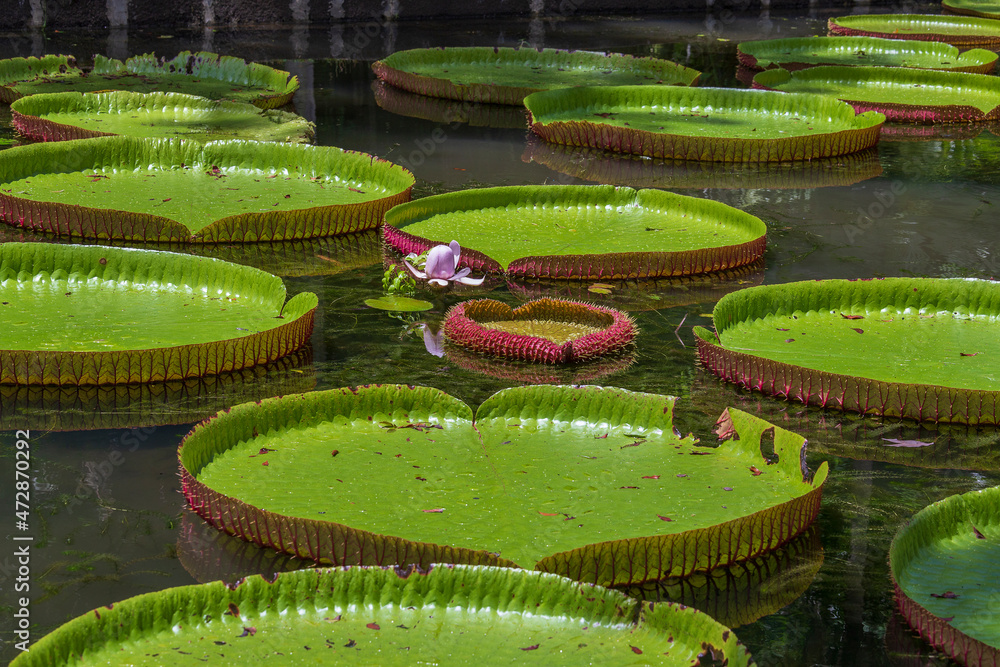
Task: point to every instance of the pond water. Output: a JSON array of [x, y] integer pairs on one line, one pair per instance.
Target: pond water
[[107, 514]]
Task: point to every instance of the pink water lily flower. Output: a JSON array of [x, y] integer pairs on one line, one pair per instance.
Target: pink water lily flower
[[442, 260]]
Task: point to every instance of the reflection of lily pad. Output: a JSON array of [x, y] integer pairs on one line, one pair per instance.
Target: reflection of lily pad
[[394, 475], [800, 52], [957, 30], [918, 348], [449, 615], [580, 232], [944, 566], [206, 74], [445, 111], [95, 315], [988, 9], [399, 303], [74, 408], [712, 124], [635, 171], [62, 116], [551, 331], [170, 190], [503, 75], [902, 94], [526, 372], [745, 592]]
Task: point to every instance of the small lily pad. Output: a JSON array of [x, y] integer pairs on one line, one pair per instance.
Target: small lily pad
[[504, 75], [399, 303], [570, 480], [944, 568], [62, 116], [711, 124], [446, 615]]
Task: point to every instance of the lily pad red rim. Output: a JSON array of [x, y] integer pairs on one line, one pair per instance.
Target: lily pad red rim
[[842, 25], [162, 364], [860, 131], [920, 402], [464, 326]]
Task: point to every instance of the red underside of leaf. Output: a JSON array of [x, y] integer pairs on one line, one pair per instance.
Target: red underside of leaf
[[985, 41], [324, 542], [608, 266], [154, 365], [831, 390], [38, 129], [683, 554], [473, 92], [462, 327], [715, 149], [943, 636]]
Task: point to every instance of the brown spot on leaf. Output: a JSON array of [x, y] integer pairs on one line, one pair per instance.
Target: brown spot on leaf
[[373, 626], [233, 610], [947, 595], [859, 330], [852, 317], [530, 648], [248, 631]]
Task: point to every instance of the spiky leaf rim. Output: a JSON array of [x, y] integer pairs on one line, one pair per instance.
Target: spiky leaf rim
[[503, 593], [28, 113], [842, 25], [860, 131], [76, 221], [395, 70], [163, 364], [463, 326], [625, 169], [895, 112], [617, 562], [933, 523], [17, 70], [770, 53], [921, 402], [960, 7], [595, 266]]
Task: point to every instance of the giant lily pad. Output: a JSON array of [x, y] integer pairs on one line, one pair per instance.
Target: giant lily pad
[[902, 94], [448, 615], [587, 482], [800, 52], [713, 124], [170, 190], [923, 349], [503, 75], [944, 567], [635, 171], [62, 116], [94, 315], [580, 232], [988, 9], [206, 74], [956, 30]]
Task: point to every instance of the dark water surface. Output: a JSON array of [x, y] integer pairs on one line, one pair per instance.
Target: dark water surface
[[107, 514]]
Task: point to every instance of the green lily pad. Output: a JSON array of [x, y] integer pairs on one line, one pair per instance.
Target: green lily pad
[[170, 190], [903, 95], [944, 568], [85, 408], [801, 52], [712, 124], [205, 74], [587, 482], [988, 9], [923, 349], [956, 30], [580, 232], [634, 171], [399, 303], [62, 116], [94, 315], [503, 75], [448, 615]]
